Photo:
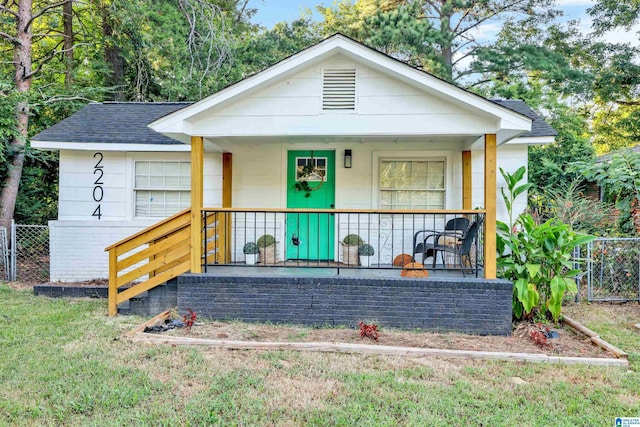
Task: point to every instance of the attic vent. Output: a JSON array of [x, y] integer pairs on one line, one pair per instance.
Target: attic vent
[[339, 89]]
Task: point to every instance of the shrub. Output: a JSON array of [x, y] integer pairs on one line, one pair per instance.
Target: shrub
[[266, 240], [366, 250], [353, 240], [250, 248], [537, 258]]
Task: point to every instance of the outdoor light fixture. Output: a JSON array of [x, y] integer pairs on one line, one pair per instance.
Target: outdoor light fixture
[[347, 159]]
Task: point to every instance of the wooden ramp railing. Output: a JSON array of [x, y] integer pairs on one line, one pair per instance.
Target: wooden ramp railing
[[160, 253], [157, 253]]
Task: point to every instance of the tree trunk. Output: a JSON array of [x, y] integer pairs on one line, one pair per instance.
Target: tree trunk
[[113, 56], [67, 18], [447, 40], [22, 60]]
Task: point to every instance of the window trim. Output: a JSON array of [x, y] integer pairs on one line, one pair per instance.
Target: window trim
[[135, 188], [422, 157]]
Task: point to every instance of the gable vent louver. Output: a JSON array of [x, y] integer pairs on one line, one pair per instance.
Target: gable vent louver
[[339, 90]]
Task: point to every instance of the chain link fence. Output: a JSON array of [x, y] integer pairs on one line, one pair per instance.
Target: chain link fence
[[5, 261], [30, 253], [613, 269]]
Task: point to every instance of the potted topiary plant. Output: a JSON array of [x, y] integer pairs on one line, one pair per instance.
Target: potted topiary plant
[[250, 253], [267, 249], [366, 252], [350, 245]]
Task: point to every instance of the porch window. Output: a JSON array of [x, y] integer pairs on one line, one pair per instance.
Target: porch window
[[412, 184], [161, 188]]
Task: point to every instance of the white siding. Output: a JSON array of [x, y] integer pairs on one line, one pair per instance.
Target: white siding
[[510, 158], [77, 183], [293, 106], [259, 172], [78, 239]]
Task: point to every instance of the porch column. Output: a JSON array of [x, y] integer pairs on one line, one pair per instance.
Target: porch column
[[197, 200], [490, 206], [223, 252], [466, 180]]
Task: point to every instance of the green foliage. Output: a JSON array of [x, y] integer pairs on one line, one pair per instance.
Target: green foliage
[[580, 212], [353, 240], [258, 51], [250, 248], [434, 36], [513, 189], [266, 240], [619, 176], [366, 250], [538, 259], [610, 14]]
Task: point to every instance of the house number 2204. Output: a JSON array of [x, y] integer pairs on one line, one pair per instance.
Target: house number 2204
[[98, 192]]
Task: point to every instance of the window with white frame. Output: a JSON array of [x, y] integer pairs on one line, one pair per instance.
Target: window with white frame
[[412, 184], [161, 188]]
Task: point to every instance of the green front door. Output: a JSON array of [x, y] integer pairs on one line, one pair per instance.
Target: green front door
[[310, 235]]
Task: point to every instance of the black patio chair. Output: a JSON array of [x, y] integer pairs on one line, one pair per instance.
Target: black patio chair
[[456, 228], [461, 250]]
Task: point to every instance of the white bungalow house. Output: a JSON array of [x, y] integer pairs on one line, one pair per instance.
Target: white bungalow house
[[381, 134]]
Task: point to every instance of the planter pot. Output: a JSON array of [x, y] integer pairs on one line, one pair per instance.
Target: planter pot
[[365, 261], [268, 255], [251, 259], [349, 255]]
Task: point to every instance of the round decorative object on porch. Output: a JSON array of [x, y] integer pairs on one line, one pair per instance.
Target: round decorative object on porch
[[414, 269], [402, 260]]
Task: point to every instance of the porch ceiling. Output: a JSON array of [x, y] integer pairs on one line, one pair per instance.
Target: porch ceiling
[[455, 141]]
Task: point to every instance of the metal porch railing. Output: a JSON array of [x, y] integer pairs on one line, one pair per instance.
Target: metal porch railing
[[316, 238]]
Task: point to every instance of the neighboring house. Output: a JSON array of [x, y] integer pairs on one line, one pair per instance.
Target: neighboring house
[[125, 166]]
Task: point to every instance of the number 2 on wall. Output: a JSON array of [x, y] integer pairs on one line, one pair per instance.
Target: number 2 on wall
[[98, 191]]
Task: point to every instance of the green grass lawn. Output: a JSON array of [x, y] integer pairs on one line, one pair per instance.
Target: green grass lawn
[[62, 363]]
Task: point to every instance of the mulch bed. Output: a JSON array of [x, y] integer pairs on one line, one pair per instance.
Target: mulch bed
[[568, 342]]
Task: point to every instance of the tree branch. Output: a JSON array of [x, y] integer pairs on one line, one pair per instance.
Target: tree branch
[[10, 38], [53, 99], [4, 8], [48, 58], [44, 10]]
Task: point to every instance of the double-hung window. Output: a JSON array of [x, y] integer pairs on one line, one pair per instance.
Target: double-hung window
[[412, 184], [161, 188]]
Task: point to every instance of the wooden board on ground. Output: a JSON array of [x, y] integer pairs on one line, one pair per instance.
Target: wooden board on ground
[[595, 338], [372, 349]]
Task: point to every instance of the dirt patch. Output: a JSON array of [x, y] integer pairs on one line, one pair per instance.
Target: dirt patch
[[568, 343]]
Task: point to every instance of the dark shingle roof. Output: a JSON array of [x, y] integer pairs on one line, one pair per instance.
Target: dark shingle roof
[[113, 122], [538, 127]]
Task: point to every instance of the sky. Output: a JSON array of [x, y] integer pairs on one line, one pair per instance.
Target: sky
[[271, 12]]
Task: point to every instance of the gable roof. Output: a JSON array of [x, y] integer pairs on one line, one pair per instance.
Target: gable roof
[[113, 123], [511, 122]]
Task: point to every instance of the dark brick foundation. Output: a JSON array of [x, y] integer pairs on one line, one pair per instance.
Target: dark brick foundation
[[56, 291], [476, 306]]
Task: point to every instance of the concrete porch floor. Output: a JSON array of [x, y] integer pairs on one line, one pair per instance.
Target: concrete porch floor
[[384, 272]]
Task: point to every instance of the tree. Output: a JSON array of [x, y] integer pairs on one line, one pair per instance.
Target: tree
[[23, 15], [438, 36], [610, 14]]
